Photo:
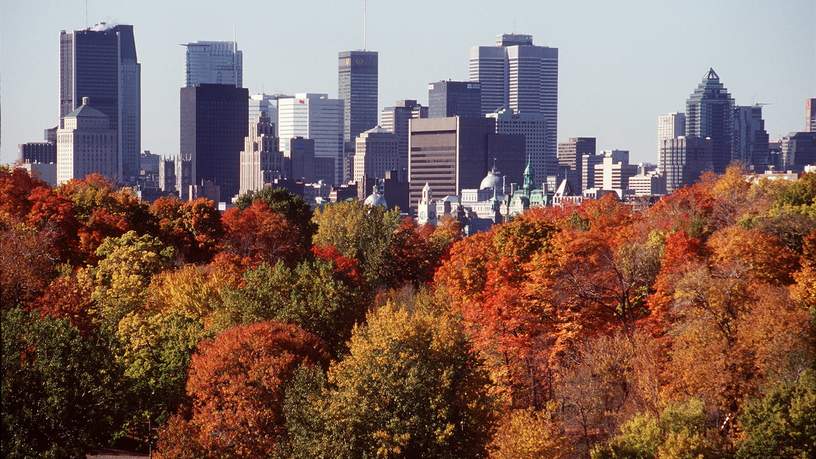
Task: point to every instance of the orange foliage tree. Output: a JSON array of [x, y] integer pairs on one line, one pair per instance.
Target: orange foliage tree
[[237, 385], [258, 234], [193, 227]]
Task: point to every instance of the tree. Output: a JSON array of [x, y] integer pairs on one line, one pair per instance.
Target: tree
[[193, 227], [360, 232], [680, 431], [530, 434], [259, 234], [761, 253], [783, 422], [15, 187], [237, 384], [313, 295], [804, 290], [410, 386], [291, 206], [60, 391], [70, 297], [26, 263], [125, 267]]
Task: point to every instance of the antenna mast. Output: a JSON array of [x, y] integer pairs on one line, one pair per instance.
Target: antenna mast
[[365, 5], [235, 56]]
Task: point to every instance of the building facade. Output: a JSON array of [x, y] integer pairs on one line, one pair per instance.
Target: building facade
[[316, 117], [710, 113], [357, 83], [750, 141], [810, 115], [683, 159], [214, 62], [798, 150], [518, 75], [300, 159], [533, 126], [614, 171], [38, 152], [261, 162], [86, 144], [396, 119], [213, 128], [454, 98], [570, 154], [265, 103], [376, 152], [669, 126], [101, 63]]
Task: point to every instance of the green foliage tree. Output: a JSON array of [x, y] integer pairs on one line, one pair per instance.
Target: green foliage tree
[[410, 386], [680, 431], [782, 424], [60, 390], [310, 295], [358, 231]]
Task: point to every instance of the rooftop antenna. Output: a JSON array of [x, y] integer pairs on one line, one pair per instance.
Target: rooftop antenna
[[86, 15], [235, 55], [365, 8]]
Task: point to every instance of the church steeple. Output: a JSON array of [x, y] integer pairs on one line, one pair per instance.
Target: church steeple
[[529, 180]]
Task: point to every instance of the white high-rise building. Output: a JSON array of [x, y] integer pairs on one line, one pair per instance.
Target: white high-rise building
[[518, 75], [533, 126], [87, 144], [614, 171], [261, 162], [669, 126], [265, 103], [214, 62], [316, 117]]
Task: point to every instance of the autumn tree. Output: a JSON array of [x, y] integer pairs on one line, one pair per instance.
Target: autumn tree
[[358, 231], [15, 187], [237, 385], [805, 288], [530, 434], [69, 296], [60, 390], [259, 234], [193, 228], [410, 386], [27, 264], [291, 206]]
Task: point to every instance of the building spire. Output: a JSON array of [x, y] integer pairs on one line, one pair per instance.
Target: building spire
[[711, 74]]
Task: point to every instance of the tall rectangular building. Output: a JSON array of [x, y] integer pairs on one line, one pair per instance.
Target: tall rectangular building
[[357, 83], [316, 117], [265, 103], [810, 115], [669, 126], [261, 162], [86, 144], [376, 152], [710, 113], [750, 142], [533, 127], [570, 157], [454, 98], [682, 160], [213, 127], [396, 120], [214, 62], [453, 153], [101, 63], [518, 75]]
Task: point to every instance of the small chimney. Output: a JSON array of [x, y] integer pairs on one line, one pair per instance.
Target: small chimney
[[86, 100]]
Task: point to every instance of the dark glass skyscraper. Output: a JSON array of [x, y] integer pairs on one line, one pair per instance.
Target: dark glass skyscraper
[[357, 74], [213, 125], [750, 142], [455, 98], [710, 113], [101, 63]]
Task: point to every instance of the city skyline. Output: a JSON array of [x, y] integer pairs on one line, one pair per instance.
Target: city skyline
[[589, 95]]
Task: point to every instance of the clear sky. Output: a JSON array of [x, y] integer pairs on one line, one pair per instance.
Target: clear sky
[[622, 62]]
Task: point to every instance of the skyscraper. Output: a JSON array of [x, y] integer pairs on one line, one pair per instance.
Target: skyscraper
[[750, 141], [798, 150], [669, 126], [570, 158], [613, 171], [261, 162], [213, 127], [454, 98], [453, 153], [396, 120], [214, 62], [265, 103], [518, 75], [376, 152], [710, 113], [810, 115], [316, 117], [86, 144], [533, 126], [357, 73], [682, 160], [101, 63]]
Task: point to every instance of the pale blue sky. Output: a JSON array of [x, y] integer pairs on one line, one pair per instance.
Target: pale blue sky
[[621, 62]]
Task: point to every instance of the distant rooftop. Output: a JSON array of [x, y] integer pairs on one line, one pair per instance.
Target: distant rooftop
[[514, 39]]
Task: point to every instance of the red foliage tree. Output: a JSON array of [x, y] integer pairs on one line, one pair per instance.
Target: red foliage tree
[[236, 382], [193, 227], [258, 234]]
